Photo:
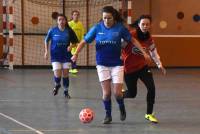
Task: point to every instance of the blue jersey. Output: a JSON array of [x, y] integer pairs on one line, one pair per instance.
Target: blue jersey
[[108, 42], [60, 40]]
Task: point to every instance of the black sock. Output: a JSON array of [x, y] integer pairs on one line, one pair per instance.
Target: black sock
[[149, 108]]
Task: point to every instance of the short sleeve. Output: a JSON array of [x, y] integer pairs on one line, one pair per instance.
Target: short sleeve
[[90, 36], [126, 34], [48, 36]]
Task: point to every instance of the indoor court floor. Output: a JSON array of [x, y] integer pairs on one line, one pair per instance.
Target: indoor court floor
[[27, 105]]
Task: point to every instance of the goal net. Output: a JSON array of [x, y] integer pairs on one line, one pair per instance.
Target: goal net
[[33, 18]]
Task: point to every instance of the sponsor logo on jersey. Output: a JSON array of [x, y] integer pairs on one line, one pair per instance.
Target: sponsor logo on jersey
[[136, 51], [61, 44], [115, 34], [101, 33], [56, 35], [149, 71], [107, 42]]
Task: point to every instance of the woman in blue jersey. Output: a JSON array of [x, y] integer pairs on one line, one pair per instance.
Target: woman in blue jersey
[[108, 34], [61, 36]]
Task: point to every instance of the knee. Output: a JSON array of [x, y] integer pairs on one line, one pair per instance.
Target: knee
[[134, 95], [131, 91], [65, 73], [57, 73], [128, 94]]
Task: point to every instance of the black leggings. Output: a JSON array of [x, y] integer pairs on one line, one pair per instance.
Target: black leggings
[[145, 75]]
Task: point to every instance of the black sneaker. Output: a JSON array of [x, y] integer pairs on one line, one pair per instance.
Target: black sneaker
[[66, 94], [122, 113], [55, 89], [107, 120]]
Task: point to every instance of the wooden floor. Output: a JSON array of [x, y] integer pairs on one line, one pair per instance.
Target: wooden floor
[[28, 107]]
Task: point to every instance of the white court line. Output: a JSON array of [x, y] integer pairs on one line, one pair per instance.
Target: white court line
[[24, 125], [16, 100]]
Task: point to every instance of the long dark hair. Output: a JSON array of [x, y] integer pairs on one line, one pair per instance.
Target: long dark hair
[[72, 35], [62, 15], [144, 16], [116, 15], [141, 36]]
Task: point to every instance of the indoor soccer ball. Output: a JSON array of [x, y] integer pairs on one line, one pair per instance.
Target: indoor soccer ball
[[86, 115]]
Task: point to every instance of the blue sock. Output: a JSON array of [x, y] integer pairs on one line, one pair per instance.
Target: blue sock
[[74, 66], [66, 83], [120, 101], [57, 80], [107, 106]]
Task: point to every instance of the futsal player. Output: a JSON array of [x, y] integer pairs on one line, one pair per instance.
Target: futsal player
[[60, 36], [78, 28], [108, 34], [136, 67]]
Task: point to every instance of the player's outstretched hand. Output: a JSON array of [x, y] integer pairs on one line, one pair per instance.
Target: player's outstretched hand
[[163, 70]]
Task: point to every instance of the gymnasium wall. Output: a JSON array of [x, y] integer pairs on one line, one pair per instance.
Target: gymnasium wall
[[176, 29], [176, 33], [179, 51]]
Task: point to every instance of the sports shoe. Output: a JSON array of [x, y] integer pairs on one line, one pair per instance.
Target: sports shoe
[[122, 113], [151, 118], [55, 89], [66, 94], [74, 71], [70, 70], [107, 120]]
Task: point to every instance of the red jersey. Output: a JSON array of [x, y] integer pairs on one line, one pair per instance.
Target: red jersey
[[132, 56]]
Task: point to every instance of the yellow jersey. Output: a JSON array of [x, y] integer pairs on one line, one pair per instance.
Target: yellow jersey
[[78, 29]]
